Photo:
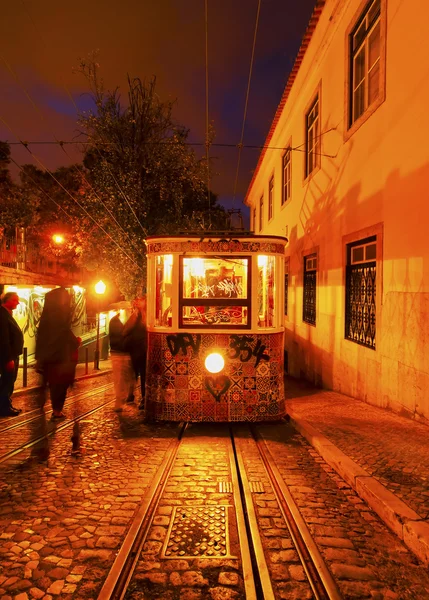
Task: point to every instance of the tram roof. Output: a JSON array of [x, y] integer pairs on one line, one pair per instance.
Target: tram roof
[[221, 235]]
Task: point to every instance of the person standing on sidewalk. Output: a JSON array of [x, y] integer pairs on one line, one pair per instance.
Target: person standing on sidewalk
[[123, 377], [11, 346], [135, 341], [56, 349]]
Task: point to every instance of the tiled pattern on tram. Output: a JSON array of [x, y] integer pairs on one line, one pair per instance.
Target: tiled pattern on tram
[[251, 389]]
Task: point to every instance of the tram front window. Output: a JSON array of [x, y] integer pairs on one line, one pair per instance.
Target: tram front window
[[215, 291]]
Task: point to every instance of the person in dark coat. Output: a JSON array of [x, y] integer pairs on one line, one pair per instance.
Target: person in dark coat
[[56, 348], [122, 371], [135, 342], [11, 346]]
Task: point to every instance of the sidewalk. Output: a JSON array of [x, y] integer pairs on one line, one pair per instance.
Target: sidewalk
[[33, 378], [383, 456]]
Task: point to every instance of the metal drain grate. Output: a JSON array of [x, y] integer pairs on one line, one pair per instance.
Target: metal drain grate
[[198, 531]]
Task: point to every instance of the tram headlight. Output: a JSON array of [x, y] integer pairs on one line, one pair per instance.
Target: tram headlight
[[214, 362]]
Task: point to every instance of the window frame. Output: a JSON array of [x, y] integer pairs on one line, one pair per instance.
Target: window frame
[[356, 266], [271, 198], [351, 123], [312, 130], [221, 302], [306, 317], [286, 181], [261, 212]]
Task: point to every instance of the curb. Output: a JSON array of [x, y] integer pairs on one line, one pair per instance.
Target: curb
[[397, 515], [35, 388]]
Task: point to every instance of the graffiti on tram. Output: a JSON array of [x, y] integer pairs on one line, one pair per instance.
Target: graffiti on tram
[[241, 347]]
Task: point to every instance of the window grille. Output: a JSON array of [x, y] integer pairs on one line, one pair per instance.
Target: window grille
[[365, 53], [286, 175], [361, 270], [312, 146], [310, 280]]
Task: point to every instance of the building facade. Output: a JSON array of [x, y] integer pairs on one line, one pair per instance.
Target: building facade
[[344, 175]]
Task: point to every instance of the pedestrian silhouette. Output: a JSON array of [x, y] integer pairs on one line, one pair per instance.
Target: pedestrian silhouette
[[11, 346], [56, 348]]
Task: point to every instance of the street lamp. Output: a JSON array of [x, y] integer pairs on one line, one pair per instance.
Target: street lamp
[[57, 238], [100, 288]]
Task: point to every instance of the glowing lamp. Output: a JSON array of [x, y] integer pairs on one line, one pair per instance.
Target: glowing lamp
[[58, 238], [214, 362], [100, 287]]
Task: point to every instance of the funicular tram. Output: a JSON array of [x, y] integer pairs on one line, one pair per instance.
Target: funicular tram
[[215, 327]]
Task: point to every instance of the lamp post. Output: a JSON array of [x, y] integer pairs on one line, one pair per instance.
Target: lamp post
[[100, 288]]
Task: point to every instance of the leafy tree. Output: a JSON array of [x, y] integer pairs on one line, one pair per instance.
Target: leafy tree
[[141, 170]]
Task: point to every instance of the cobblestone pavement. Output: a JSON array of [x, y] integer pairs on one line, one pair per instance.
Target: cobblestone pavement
[[63, 520], [365, 558], [392, 449]]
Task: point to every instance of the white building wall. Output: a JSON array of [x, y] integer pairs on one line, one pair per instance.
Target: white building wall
[[374, 181]]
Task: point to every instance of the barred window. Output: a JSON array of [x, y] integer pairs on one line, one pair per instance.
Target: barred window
[[361, 270], [312, 142], [365, 59], [286, 176], [261, 213], [309, 289], [271, 199]]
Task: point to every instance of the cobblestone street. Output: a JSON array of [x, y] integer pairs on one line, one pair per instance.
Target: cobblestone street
[[66, 519]]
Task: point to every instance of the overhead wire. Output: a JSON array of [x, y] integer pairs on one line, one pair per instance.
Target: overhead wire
[[37, 109], [240, 145], [70, 195], [214, 144], [207, 105]]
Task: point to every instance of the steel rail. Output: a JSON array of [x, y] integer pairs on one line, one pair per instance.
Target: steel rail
[[61, 427], [318, 574], [70, 402], [116, 584]]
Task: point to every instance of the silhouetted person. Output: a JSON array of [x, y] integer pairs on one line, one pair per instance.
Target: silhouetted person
[[135, 341], [123, 377], [11, 345], [56, 348]]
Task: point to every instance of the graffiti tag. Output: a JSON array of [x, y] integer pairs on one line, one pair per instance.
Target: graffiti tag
[[183, 341], [241, 348]]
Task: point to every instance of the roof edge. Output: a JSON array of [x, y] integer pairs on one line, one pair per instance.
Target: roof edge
[[314, 19]]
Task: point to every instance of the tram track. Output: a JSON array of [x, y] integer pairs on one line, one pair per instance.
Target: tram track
[[255, 571], [26, 418], [70, 422]]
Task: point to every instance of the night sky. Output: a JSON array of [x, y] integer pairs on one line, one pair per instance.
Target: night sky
[[41, 42]]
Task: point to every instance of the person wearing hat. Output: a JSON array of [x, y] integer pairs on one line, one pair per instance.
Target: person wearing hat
[[11, 346]]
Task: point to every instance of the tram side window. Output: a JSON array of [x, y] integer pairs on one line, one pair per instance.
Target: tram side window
[[266, 291], [164, 266], [215, 290]]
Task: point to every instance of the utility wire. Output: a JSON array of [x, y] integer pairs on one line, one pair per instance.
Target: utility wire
[[248, 146], [70, 195], [240, 145], [37, 109], [207, 107]]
